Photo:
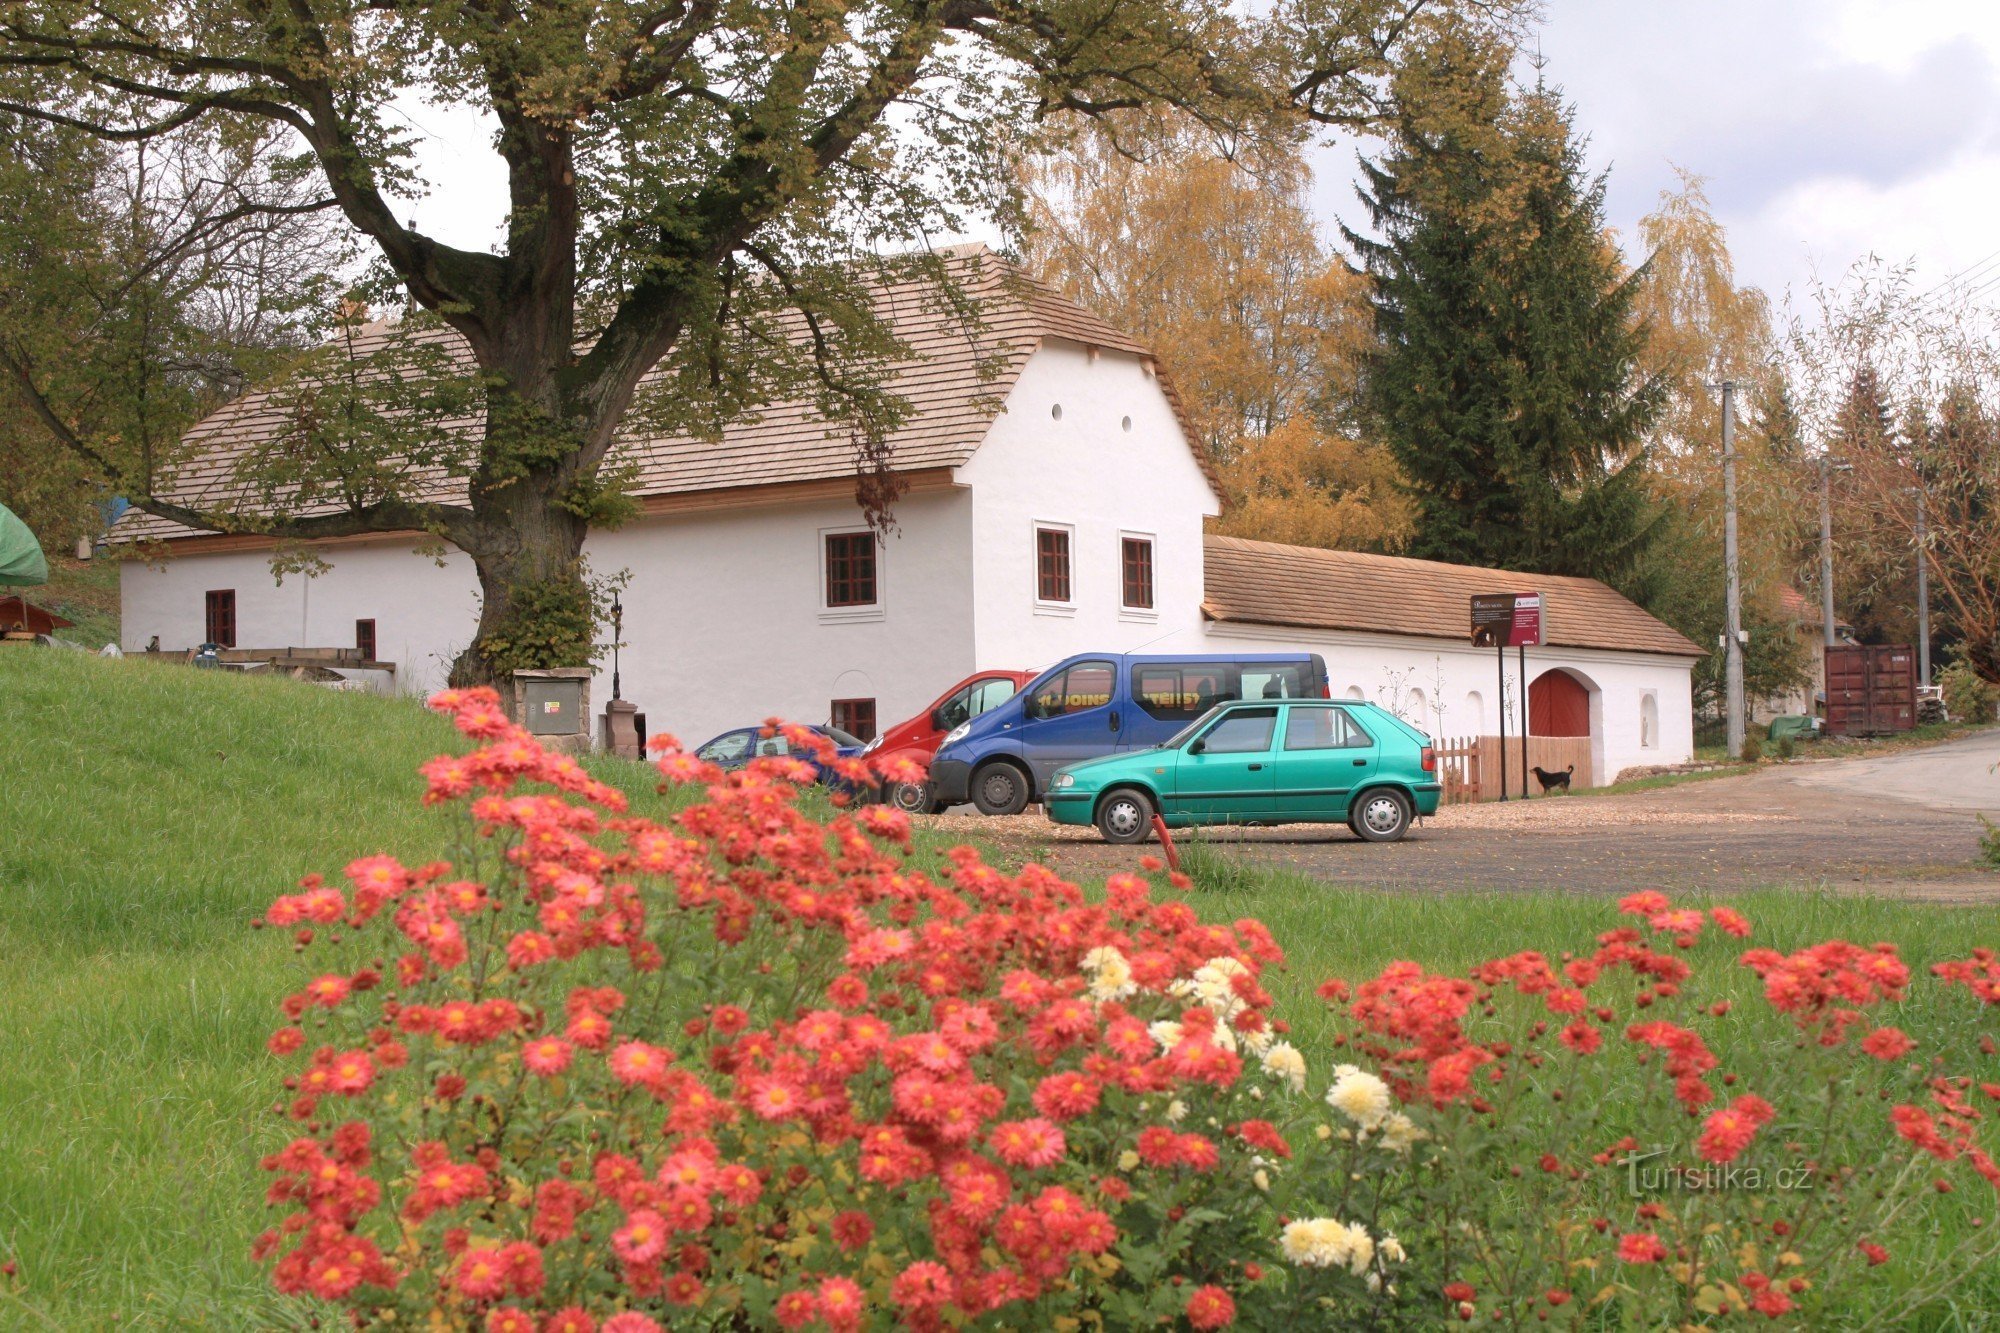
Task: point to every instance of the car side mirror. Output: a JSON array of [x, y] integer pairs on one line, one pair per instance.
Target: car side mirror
[[1196, 747]]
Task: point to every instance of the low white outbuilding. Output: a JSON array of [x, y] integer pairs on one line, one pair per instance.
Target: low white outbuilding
[[1055, 508]]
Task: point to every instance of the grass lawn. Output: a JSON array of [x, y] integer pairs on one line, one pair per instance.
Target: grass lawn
[[150, 811]]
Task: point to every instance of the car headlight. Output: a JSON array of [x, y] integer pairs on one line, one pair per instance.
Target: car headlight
[[1065, 780], [957, 734], [872, 746]]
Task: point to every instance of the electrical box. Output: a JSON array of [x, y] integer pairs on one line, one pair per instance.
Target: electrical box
[[554, 706]]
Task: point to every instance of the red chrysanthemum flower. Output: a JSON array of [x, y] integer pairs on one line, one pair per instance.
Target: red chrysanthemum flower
[[1887, 1044], [1210, 1307], [1641, 1247]]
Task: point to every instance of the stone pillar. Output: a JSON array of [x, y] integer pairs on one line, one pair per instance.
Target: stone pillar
[[621, 728]]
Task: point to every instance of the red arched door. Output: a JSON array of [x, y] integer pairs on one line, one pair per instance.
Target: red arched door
[[1558, 705]]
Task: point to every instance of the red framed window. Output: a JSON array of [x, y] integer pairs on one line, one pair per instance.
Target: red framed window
[[850, 569], [1052, 564], [1136, 557], [219, 617], [364, 639], [856, 717]]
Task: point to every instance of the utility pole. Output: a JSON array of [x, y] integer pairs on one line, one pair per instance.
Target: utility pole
[[1826, 544], [1923, 596], [1732, 632]]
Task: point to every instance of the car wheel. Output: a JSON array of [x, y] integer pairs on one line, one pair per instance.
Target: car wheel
[[999, 789], [1381, 815], [911, 797], [1125, 816]]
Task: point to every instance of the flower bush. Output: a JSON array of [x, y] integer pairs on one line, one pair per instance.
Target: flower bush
[[1586, 1147], [746, 1068], [744, 1065]]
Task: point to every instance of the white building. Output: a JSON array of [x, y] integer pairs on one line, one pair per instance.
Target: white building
[[1056, 508]]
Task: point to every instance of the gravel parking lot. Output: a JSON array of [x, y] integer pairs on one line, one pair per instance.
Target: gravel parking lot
[[1904, 824]]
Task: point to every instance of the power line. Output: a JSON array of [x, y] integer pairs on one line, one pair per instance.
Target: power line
[[1958, 279]]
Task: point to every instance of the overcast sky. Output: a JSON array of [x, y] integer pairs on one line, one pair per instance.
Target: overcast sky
[[1827, 129]]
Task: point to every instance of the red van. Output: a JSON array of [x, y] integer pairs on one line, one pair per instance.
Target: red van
[[918, 737]]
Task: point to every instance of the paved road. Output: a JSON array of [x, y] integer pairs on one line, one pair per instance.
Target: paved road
[[1962, 776], [1902, 823]]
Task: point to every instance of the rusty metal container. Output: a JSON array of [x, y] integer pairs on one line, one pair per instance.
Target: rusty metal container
[[1871, 689]]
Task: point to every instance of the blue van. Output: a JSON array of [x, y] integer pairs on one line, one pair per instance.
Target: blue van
[[1101, 703]]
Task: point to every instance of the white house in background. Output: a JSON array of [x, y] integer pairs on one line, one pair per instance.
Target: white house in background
[[1054, 508], [1396, 631]]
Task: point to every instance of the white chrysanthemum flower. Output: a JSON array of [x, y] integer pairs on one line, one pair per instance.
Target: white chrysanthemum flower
[[1359, 1095], [1261, 1179], [1166, 1032], [1392, 1249], [1311, 1242], [1360, 1248], [1324, 1242], [1258, 1041], [1399, 1132], [1283, 1061], [1176, 1109], [1110, 974]]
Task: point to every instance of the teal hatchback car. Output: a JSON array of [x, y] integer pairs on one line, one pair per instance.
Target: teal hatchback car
[[1300, 761]]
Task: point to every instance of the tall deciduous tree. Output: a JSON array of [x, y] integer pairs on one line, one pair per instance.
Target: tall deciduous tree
[[1900, 385], [1703, 328], [1505, 377], [1259, 322], [683, 177]]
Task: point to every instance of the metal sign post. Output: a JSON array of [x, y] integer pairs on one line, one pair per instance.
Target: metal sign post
[[1509, 620]]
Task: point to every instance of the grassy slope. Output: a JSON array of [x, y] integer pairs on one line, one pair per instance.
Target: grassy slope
[[85, 591], [148, 812]]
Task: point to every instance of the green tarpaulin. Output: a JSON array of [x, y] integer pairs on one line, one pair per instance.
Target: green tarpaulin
[[21, 561]]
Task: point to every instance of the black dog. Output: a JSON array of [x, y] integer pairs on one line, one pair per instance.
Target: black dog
[[1550, 781]]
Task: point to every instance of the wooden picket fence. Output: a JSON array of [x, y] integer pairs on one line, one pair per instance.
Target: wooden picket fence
[[1470, 766]]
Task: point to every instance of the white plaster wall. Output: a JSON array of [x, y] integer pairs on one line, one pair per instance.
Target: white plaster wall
[[1088, 472], [723, 621], [724, 627], [423, 613], [1447, 672]]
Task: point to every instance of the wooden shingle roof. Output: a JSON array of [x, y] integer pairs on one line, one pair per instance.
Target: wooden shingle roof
[[955, 376], [1302, 587]]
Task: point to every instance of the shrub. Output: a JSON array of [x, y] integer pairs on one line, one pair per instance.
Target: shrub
[[1786, 748], [1753, 749], [748, 1068], [1596, 1150], [1968, 696]]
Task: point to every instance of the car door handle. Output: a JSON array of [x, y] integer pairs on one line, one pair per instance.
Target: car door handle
[[1361, 763], [1255, 767], [1114, 719]]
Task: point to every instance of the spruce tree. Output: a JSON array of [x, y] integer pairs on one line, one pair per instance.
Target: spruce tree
[[1505, 375]]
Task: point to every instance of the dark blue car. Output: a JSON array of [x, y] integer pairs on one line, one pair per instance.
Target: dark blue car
[[733, 749], [1102, 703]]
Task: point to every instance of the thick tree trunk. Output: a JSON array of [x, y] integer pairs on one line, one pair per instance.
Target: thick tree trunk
[[526, 539], [535, 608]]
